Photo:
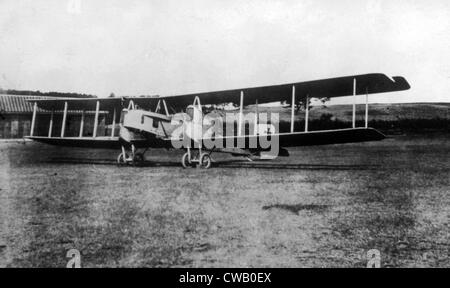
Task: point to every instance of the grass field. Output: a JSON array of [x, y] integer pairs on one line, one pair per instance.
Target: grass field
[[325, 206]]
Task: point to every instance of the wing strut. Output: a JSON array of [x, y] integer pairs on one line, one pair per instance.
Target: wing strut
[[306, 112], [255, 129], [63, 126], [165, 108], [33, 120], [81, 124], [158, 107], [367, 108], [241, 106], [50, 125], [97, 109], [113, 123], [354, 104], [292, 108], [366, 116]]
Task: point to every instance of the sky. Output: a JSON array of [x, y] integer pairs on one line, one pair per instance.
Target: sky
[[166, 47]]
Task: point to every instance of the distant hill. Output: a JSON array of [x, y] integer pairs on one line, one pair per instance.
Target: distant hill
[[383, 112]]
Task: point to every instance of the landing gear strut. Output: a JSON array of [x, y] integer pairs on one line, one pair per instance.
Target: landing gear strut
[[131, 157], [201, 160]]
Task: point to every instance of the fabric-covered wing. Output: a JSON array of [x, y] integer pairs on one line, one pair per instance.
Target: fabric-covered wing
[[296, 139], [333, 87], [87, 142], [100, 142], [106, 104]]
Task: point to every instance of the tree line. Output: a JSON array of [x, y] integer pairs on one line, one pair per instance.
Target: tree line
[[47, 94]]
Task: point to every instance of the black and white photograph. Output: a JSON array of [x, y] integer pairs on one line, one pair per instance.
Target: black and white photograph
[[224, 134]]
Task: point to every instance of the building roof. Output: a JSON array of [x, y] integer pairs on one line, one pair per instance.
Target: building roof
[[17, 104]]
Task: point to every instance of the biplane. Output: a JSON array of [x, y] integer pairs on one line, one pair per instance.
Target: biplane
[[178, 121]]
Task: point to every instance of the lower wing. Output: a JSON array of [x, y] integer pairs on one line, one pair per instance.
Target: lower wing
[[284, 139]]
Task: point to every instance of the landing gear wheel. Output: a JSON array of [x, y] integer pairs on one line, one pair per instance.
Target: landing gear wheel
[[138, 158], [205, 161], [122, 159], [185, 161]]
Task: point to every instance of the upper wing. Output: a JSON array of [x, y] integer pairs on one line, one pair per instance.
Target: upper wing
[[105, 104], [57, 104], [333, 87]]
